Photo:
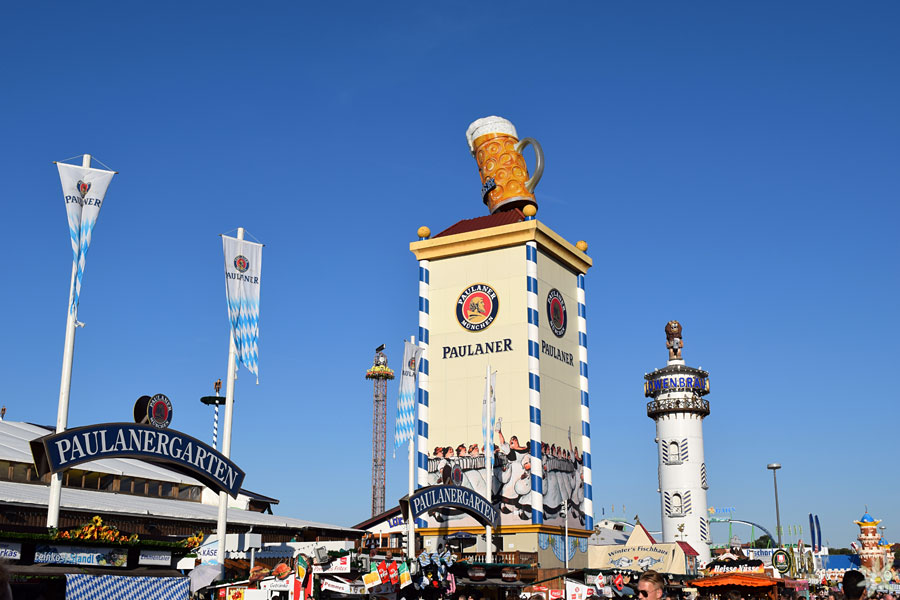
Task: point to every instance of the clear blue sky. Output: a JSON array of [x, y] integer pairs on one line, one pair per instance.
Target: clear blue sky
[[732, 165]]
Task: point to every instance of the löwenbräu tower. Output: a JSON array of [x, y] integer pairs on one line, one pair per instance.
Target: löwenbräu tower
[[676, 404]]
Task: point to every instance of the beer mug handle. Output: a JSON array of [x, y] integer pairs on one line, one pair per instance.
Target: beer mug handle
[[539, 161]]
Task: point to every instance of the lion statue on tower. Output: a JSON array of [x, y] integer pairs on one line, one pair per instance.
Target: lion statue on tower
[[673, 340]]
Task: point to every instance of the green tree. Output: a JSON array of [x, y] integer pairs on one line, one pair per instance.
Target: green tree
[[763, 541]]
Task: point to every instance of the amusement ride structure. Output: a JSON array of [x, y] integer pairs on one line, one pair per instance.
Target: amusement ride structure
[[380, 373]]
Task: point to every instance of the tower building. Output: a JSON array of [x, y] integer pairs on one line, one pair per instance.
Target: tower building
[[380, 373], [677, 406], [505, 292]]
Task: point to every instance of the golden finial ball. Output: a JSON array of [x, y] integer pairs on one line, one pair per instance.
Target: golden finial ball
[[424, 232], [582, 245], [530, 210]]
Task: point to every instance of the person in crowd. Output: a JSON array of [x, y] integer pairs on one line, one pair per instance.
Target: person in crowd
[[651, 586], [854, 585]]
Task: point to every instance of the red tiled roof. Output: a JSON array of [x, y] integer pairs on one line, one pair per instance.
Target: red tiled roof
[[688, 549], [505, 217]]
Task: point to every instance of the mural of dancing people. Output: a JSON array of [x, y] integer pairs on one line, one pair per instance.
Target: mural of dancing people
[[463, 465]]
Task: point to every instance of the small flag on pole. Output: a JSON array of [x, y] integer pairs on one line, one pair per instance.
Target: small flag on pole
[[84, 190], [488, 416], [405, 426], [243, 268]]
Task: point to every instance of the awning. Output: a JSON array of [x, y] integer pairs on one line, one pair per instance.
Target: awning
[[739, 579], [111, 587], [489, 582], [63, 570]]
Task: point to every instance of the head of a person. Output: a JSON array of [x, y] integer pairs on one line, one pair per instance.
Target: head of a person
[[854, 585], [461, 450], [651, 586]]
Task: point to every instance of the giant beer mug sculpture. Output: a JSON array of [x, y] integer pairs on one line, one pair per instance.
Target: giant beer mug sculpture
[[497, 149]]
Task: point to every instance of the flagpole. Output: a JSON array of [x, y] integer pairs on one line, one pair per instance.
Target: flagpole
[[488, 460], [226, 436], [65, 384], [411, 522]]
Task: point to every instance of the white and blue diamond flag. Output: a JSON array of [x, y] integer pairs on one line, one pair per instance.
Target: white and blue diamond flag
[[488, 417], [243, 265], [405, 427], [83, 190]]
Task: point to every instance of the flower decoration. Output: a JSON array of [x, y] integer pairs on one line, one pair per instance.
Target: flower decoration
[[95, 530]]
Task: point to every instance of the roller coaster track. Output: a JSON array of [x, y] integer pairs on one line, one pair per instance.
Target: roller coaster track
[[751, 523]]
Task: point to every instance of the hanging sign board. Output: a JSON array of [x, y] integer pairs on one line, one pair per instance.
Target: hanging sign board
[[59, 451], [436, 496]]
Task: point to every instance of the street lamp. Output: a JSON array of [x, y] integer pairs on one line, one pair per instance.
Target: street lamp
[[774, 467]]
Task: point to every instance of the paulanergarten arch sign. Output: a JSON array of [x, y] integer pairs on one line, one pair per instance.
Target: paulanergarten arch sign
[[181, 452]]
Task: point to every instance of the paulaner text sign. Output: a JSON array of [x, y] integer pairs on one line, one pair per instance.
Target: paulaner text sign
[[60, 451], [465, 499]]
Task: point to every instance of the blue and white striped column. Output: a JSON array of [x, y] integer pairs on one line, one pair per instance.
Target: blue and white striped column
[[422, 395], [534, 384], [585, 408]]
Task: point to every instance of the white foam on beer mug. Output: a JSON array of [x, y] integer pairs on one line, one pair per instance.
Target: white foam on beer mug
[[487, 125]]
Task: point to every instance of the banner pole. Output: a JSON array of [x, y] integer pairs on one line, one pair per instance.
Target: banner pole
[[411, 522], [226, 436], [489, 458], [65, 384]]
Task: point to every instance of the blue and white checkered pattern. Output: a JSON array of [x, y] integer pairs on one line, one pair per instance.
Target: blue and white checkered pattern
[[423, 339], [113, 587], [87, 228], [405, 426], [585, 407], [534, 384], [243, 313]]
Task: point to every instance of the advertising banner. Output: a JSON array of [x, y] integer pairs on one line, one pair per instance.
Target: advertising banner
[[161, 558], [10, 551], [340, 564], [84, 190], [302, 568], [76, 555], [404, 429], [403, 573], [243, 268], [393, 573], [342, 587], [578, 591], [371, 579]]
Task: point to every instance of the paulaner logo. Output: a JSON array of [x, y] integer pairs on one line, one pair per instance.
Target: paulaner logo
[[241, 263], [81, 190], [477, 307], [556, 313]]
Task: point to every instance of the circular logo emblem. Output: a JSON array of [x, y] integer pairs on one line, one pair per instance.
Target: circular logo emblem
[[159, 411], [456, 475], [241, 263], [477, 307], [412, 364], [556, 313]]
